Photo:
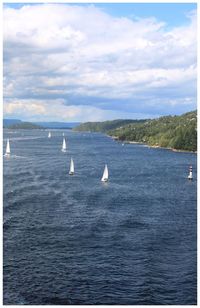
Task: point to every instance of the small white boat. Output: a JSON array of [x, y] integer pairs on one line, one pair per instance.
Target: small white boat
[[63, 134], [49, 135], [64, 146], [105, 174], [7, 148], [71, 170], [190, 176]]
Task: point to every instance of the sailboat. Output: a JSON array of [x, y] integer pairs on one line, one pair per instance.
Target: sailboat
[[190, 176], [105, 174], [49, 135], [71, 170], [7, 148], [64, 146]]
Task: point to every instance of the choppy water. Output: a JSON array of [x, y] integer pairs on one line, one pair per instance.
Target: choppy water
[[75, 240]]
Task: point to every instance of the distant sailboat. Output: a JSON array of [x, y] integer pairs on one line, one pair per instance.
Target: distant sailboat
[[71, 170], [49, 135], [105, 174], [7, 148], [190, 176], [63, 134], [64, 146]]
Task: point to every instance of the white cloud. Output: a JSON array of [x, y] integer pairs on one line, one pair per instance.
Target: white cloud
[[55, 110], [62, 51]]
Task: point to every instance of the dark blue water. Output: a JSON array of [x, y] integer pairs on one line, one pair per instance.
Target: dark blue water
[[75, 240]]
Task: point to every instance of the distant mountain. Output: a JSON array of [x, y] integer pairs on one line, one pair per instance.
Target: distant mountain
[[105, 126], [8, 122], [58, 124]]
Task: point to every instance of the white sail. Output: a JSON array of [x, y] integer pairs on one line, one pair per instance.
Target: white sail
[[105, 174], [64, 146], [71, 170], [49, 135], [7, 148], [190, 176]]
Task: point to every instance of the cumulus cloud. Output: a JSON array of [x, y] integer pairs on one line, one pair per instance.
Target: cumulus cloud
[[55, 110], [48, 109], [81, 58]]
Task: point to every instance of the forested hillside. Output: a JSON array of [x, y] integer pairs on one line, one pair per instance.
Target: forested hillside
[[104, 126], [177, 132], [24, 125]]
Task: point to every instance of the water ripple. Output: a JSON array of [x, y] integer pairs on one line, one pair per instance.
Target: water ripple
[[75, 241]]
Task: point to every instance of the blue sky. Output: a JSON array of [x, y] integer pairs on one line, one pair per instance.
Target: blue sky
[[173, 14], [81, 62]]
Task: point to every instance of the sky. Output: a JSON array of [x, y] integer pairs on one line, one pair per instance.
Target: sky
[[95, 62]]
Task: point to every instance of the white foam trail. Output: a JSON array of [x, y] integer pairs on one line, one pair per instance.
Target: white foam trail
[[24, 138], [14, 156], [11, 132], [18, 156]]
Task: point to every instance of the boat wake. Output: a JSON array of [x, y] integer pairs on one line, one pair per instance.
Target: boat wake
[[24, 138], [14, 156]]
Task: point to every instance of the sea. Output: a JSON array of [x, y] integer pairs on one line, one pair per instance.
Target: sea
[[74, 240]]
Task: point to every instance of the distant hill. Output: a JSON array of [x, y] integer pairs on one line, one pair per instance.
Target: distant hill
[[105, 126], [177, 132], [24, 125], [8, 122], [15, 124], [58, 124]]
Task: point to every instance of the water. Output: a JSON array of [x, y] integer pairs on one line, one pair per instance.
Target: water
[[75, 240]]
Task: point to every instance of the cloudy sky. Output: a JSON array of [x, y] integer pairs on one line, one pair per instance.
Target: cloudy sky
[[89, 62]]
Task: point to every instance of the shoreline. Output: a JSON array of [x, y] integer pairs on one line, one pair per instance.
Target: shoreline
[[153, 146]]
